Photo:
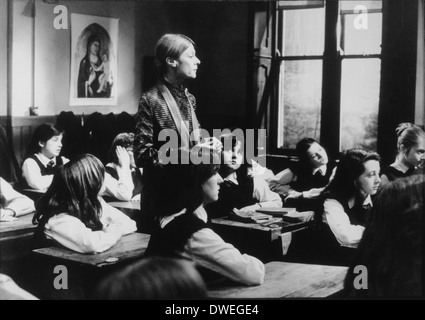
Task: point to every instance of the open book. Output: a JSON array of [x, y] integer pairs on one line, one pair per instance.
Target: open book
[[248, 217], [288, 214], [276, 212]]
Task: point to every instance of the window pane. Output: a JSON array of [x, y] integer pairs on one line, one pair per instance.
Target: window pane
[[304, 32], [349, 6], [359, 103], [300, 101], [362, 37]]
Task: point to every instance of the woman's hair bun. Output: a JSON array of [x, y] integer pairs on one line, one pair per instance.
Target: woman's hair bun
[[402, 127]]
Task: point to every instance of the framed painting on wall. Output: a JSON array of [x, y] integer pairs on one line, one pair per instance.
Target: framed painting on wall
[[94, 45]]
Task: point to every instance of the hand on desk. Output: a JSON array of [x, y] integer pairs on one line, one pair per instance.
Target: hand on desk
[[113, 229], [136, 198], [7, 215], [293, 195], [247, 209]]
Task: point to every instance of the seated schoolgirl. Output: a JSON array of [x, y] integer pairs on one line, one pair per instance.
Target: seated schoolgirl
[[411, 153], [154, 278], [123, 178], [304, 182], [73, 214], [12, 203], [9, 290], [347, 203], [392, 244], [44, 159], [182, 229], [240, 189]]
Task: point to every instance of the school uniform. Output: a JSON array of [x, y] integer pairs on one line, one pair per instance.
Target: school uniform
[[38, 170], [342, 229], [123, 188], [12, 200], [72, 233], [187, 235], [9, 290], [398, 170], [242, 192]]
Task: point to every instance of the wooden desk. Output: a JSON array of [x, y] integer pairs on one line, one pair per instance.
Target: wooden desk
[[129, 247], [15, 239], [265, 243], [288, 280], [272, 233], [84, 270], [132, 205], [23, 225]]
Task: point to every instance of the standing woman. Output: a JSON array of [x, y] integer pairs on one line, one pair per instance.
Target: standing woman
[[411, 153], [168, 104], [348, 203]]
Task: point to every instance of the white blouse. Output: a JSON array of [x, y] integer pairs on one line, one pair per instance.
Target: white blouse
[[71, 232]]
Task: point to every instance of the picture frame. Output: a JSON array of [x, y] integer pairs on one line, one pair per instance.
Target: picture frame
[[94, 55]]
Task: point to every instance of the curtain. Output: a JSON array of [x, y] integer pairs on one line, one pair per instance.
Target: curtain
[[420, 71]]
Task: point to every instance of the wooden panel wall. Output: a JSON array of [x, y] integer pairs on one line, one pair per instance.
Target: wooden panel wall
[[21, 131]]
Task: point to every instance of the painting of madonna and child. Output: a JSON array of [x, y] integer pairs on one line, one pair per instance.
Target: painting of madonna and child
[[94, 60]]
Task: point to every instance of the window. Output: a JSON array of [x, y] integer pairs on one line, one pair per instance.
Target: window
[[300, 80], [341, 61]]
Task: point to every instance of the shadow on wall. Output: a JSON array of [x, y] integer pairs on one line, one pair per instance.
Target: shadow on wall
[[9, 169], [93, 133]]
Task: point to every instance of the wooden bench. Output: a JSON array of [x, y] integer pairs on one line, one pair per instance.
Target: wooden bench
[[288, 280], [86, 270]]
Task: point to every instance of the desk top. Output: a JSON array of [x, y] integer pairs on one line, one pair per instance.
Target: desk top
[[285, 226], [22, 225], [135, 205], [288, 280], [129, 247]]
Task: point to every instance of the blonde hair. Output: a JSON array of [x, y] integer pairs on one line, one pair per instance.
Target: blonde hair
[[408, 135], [170, 46]]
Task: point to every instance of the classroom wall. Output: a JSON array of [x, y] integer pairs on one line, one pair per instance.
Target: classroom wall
[[221, 86], [22, 61], [3, 58], [53, 52]]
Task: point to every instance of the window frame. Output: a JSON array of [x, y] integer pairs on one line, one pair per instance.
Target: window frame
[[332, 60]]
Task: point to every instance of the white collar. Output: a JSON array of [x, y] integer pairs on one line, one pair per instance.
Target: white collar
[[44, 160], [232, 177], [367, 201], [166, 220], [200, 213], [322, 170]]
